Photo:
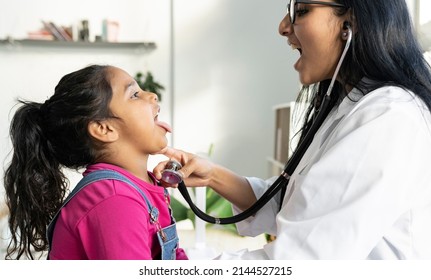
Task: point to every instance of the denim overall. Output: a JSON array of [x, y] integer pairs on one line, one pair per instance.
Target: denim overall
[[167, 237]]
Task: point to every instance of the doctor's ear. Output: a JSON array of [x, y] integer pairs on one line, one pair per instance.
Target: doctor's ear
[[103, 131], [346, 30], [348, 25]]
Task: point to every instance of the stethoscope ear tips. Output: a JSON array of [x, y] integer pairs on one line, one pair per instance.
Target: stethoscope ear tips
[[346, 30], [346, 25], [170, 174]]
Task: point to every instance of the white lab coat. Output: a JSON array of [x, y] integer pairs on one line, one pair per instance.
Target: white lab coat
[[362, 189]]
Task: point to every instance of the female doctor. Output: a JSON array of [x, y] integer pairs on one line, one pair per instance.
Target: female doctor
[[362, 190]]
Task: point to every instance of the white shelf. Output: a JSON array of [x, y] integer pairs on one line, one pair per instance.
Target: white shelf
[[77, 44]]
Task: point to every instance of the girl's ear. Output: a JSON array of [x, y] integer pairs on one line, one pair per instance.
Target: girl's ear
[[103, 131]]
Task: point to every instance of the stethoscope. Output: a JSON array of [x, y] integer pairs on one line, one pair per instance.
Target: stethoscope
[[171, 175]]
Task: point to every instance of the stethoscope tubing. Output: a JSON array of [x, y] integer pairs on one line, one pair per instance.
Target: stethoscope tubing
[[283, 180], [280, 182]]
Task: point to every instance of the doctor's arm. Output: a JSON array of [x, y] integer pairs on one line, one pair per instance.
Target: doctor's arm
[[198, 172]]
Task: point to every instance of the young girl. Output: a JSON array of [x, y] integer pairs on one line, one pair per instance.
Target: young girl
[[98, 118]]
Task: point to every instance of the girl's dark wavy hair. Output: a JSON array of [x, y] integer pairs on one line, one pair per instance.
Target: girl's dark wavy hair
[[384, 49], [47, 137]]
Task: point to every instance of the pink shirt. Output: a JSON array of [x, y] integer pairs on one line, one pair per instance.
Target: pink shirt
[[109, 219]]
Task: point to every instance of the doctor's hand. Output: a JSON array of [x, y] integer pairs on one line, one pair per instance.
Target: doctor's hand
[[196, 171]]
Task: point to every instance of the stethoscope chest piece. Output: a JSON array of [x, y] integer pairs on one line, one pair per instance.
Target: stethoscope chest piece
[[170, 174]]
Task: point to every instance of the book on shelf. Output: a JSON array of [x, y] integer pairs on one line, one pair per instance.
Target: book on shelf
[[40, 35], [110, 29], [69, 32], [58, 32]]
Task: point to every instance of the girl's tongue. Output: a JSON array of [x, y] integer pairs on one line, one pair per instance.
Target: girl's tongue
[[166, 126]]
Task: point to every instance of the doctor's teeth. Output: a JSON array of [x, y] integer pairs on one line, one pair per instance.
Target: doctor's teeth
[[295, 47]]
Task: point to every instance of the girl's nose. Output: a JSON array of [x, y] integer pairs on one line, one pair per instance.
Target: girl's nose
[[153, 97], [285, 28]]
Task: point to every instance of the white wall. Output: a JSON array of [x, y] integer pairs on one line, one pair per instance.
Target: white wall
[[424, 21], [231, 67], [421, 17]]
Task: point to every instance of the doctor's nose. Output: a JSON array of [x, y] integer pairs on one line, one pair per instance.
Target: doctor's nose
[[285, 28]]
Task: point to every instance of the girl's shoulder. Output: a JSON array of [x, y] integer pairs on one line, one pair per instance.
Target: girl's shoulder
[[150, 187], [127, 189]]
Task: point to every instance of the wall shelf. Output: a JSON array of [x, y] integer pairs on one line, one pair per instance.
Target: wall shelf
[[284, 143], [77, 44]]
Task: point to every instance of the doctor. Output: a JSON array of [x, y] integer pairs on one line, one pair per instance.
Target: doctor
[[362, 190]]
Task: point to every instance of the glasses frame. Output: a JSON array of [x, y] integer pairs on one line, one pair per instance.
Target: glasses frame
[[291, 7]]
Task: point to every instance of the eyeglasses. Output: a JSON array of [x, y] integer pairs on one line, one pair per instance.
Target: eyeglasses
[[291, 7]]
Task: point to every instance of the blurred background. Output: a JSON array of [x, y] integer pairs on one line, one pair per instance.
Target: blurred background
[[222, 65]]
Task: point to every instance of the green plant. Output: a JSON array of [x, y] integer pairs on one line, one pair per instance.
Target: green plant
[[148, 83]]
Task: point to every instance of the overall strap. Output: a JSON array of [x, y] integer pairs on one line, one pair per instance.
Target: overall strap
[[166, 194], [97, 176]]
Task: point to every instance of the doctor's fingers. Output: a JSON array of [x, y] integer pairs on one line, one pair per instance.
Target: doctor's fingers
[[172, 154], [168, 152], [197, 171]]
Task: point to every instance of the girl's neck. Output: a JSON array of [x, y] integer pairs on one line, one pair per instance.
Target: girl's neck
[[138, 169], [128, 159]]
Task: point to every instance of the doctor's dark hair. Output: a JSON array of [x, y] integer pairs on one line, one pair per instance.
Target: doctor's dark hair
[[384, 49], [46, 137]]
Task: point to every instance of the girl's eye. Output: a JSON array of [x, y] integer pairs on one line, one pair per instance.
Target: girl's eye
[[135, 95]]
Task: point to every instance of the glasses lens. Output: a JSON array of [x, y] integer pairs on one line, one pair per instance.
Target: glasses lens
[[292, 11]]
